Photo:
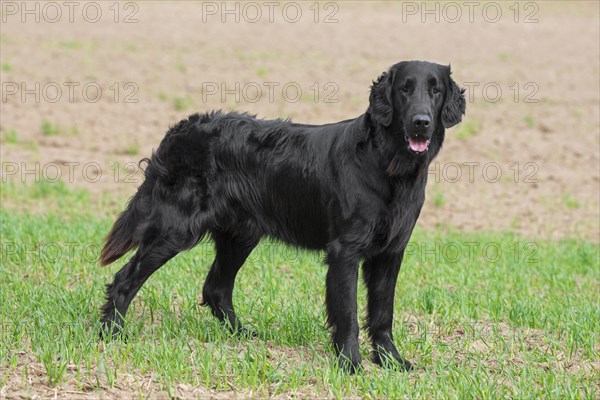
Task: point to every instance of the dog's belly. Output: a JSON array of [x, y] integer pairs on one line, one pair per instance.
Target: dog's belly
[[290, 210], [296, 218]]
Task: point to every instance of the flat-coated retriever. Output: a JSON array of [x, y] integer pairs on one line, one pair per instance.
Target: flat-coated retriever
[[353, 188]]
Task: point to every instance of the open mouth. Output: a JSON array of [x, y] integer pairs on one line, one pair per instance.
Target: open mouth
[[418, 144]]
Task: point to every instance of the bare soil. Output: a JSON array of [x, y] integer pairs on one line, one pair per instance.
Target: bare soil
[[543, 140]]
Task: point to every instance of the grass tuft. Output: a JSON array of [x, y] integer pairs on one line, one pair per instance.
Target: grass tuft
[[70, 44], [162, 96], [529, 121], [11, 136], [132, 150], [571, 202], [50, 129], [181, 103], [438, 196], [466, 129]]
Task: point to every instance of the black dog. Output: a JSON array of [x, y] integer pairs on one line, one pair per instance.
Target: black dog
[[354, 188]]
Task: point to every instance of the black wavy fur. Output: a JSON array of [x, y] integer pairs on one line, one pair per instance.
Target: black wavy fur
[[354, 188]]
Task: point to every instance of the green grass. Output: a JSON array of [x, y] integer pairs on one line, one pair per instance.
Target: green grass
[[30, 145], [132, 149], [182, 103], [181, 67], [529, 121], [41, 194], [11, 136], [70, 44], [571, 202], [466, 129], [523, 324], [438, 196], [50, 129]]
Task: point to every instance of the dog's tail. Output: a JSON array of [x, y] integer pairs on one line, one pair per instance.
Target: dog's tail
[[121, 237], [130, 226], [127, 229]]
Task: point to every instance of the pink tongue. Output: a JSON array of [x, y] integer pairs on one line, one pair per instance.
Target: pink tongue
[[418, 145]]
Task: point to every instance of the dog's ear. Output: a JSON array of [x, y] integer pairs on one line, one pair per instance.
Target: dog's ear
[[454, 105], [380, 100]]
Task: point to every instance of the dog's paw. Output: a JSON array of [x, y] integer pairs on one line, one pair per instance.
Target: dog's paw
[[348, 365], [392, 361], [110, 330], [246, 333]]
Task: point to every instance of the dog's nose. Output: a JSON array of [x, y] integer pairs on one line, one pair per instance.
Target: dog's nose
[[421, 121]]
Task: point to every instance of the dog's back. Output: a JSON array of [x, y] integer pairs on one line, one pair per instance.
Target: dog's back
[[265, 177]]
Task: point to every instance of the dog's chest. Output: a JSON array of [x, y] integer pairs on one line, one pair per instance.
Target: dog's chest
[[399, 217]]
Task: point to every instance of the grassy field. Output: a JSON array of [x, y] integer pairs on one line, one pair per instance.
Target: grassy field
[[499, 293], [480, 315]]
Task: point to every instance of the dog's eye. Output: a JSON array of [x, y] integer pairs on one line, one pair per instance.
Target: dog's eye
[[404, 89], [435, 90]]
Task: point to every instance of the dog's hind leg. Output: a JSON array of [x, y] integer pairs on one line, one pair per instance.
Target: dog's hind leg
[[218, 287], [158, 246], [128, 281]]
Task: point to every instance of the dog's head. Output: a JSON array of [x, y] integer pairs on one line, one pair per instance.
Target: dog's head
[[416, 99]]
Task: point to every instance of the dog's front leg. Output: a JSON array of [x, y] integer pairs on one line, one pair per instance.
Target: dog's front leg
[[380, 274], [341, 282]]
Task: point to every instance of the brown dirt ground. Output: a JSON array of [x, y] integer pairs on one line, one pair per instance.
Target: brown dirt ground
[[170, 52]]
